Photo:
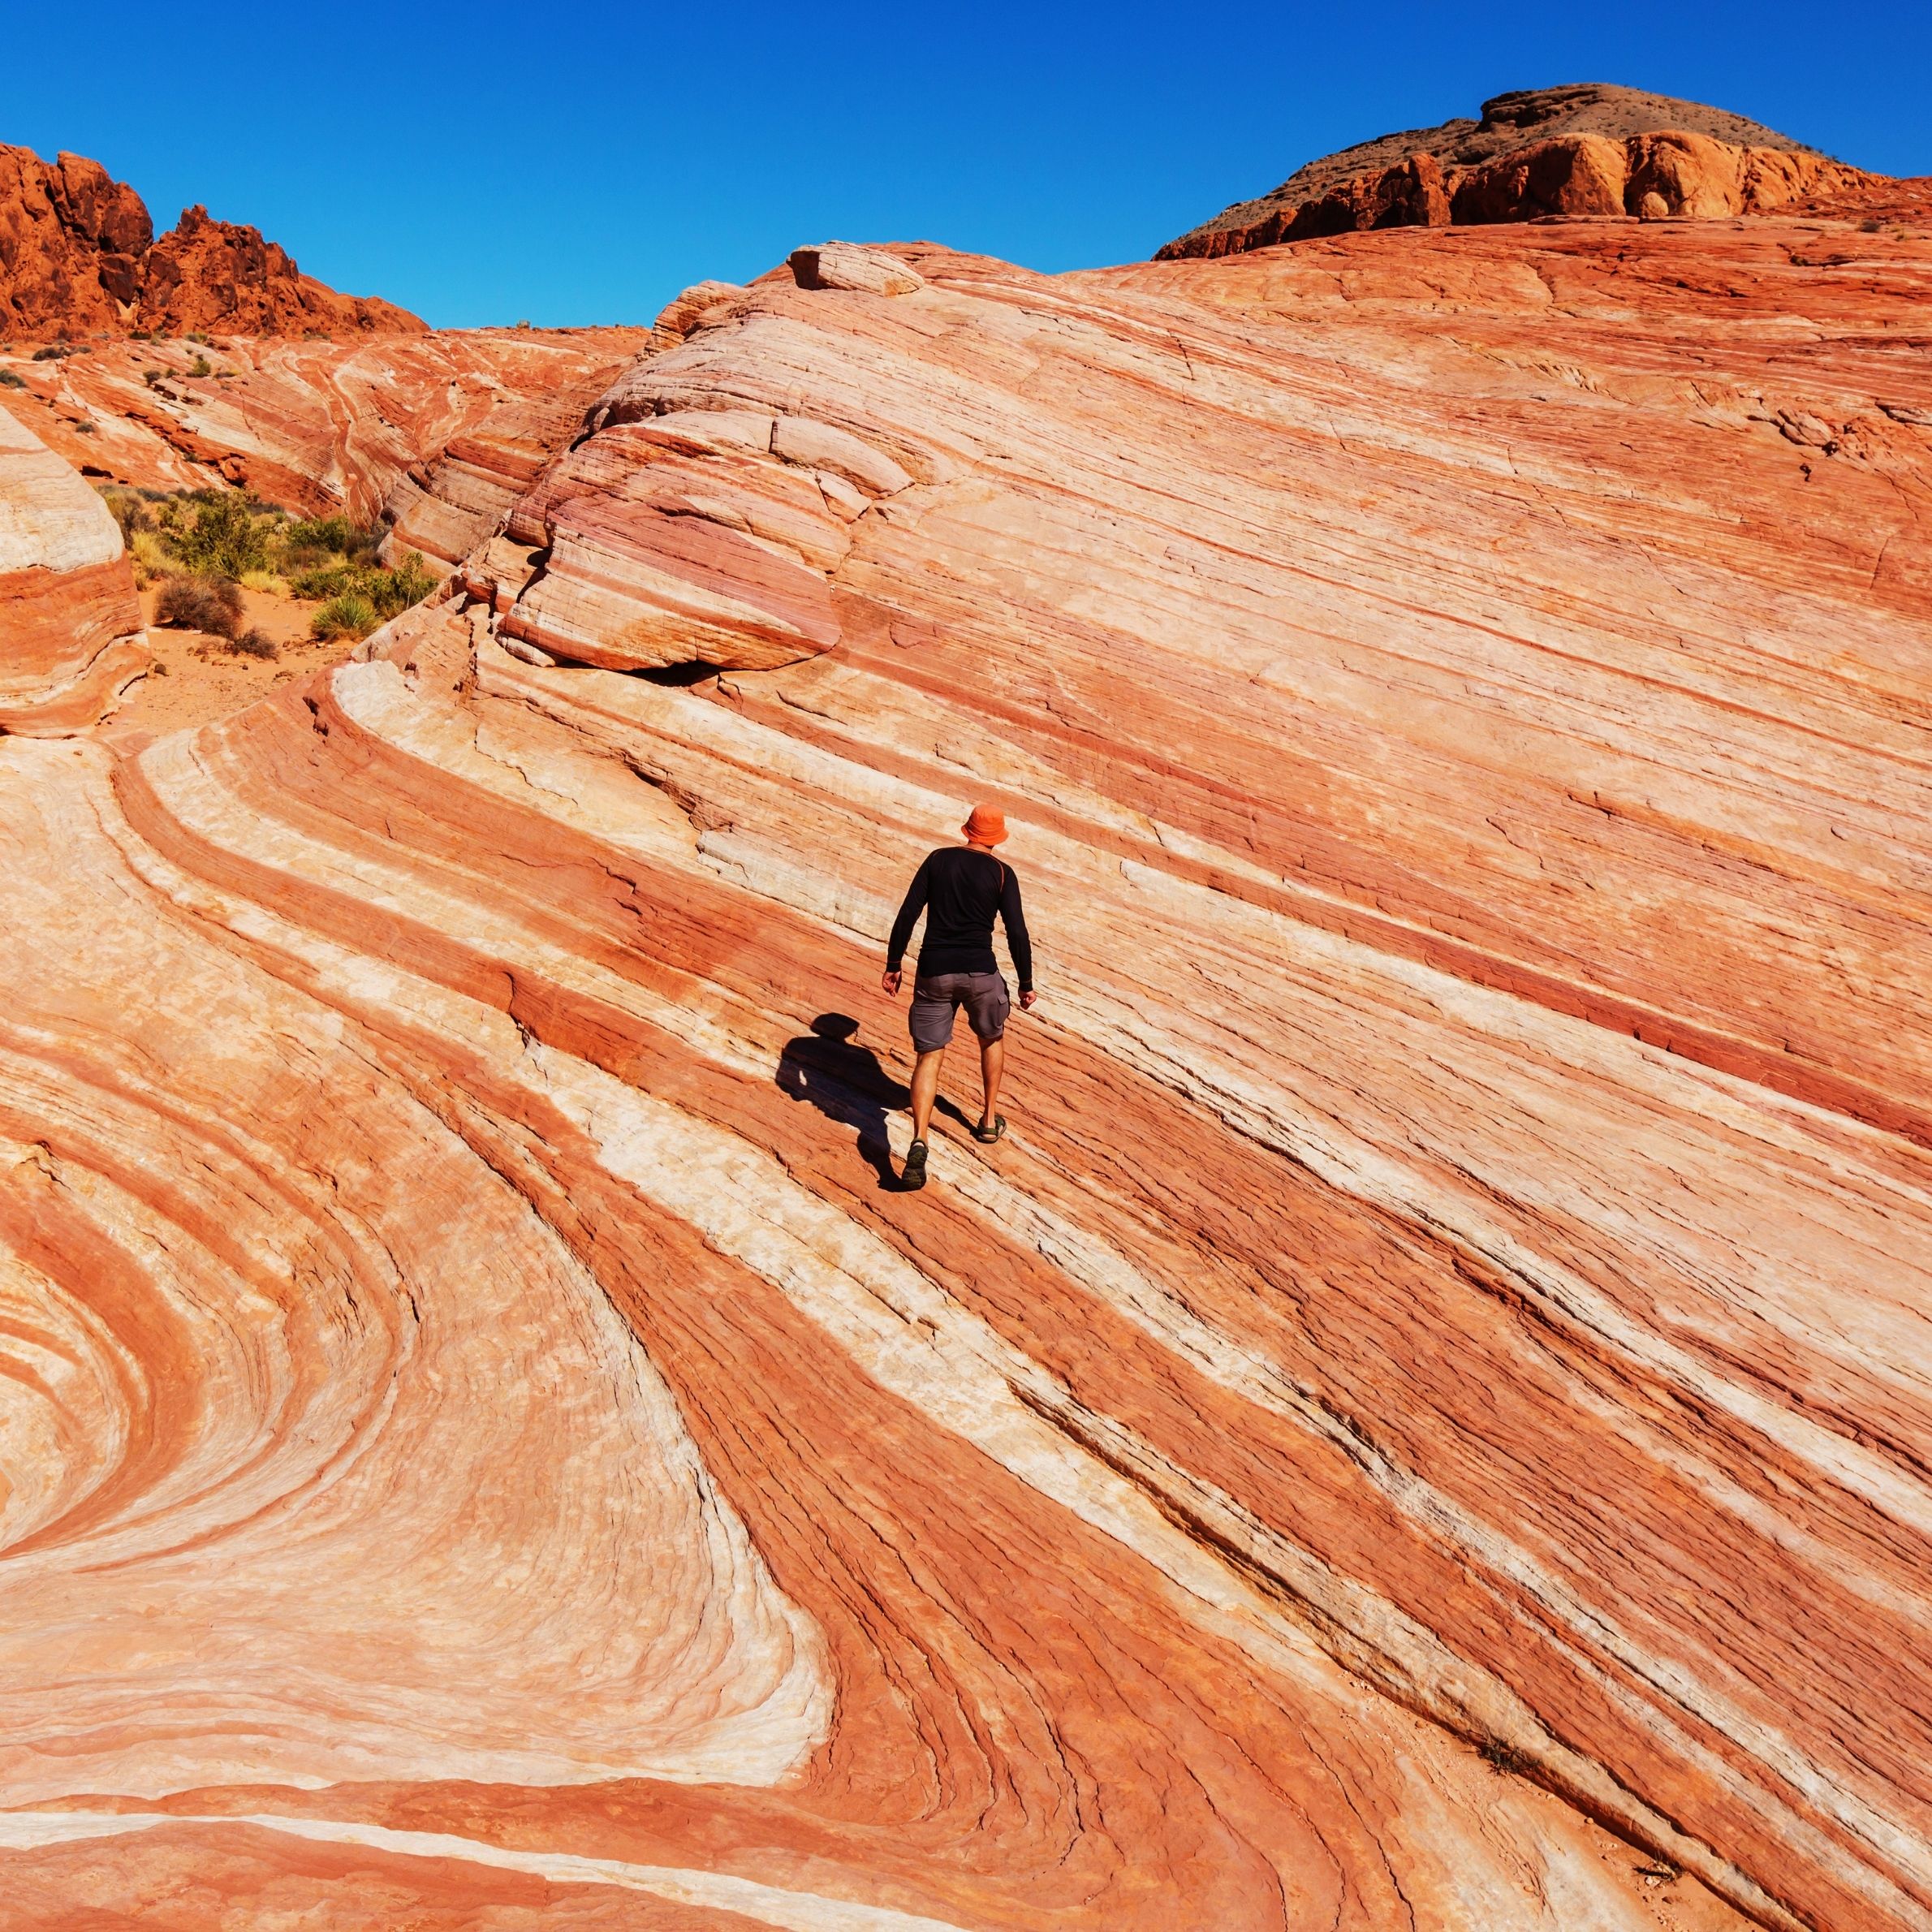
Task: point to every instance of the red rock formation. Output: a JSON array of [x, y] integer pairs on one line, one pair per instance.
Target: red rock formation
[[1558, 151], [70, 244], [1437, 1358], [210, 274], [78, 258]]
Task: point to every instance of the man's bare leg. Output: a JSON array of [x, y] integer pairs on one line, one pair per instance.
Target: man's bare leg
[[992, 1063], [925, 1090]]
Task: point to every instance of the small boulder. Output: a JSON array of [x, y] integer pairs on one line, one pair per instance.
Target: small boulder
[[844, 265]]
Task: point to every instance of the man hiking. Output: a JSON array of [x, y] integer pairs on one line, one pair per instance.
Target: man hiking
[[959, 888]]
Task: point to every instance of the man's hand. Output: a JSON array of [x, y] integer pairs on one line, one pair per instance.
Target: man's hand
[[890, 983], [1027, 999]]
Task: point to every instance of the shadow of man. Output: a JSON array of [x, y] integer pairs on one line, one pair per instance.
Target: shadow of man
[[845, 1083]]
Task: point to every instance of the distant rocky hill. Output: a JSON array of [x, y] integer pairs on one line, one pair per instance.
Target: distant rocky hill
[[78, 257], [1585, 149]]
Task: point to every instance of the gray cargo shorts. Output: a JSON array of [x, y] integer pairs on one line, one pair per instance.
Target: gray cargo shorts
[[936, 1000]]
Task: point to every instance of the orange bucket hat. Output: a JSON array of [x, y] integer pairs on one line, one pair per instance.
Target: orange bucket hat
[[985, 825]]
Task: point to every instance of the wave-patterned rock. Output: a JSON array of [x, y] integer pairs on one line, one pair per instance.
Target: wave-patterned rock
[[1438, 1367], [401, 425], [442, 509]]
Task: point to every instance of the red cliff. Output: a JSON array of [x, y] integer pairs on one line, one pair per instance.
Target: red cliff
[[78, 258]]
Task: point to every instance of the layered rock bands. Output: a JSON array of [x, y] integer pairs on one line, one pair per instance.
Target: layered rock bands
[[1422, 1421], [357, 424]]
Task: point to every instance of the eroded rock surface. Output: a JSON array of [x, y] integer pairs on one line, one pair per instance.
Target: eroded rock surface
[[1580, 150], [1441, 1354]]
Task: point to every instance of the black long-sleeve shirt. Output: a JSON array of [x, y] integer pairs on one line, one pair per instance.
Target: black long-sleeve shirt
[[960, 889]]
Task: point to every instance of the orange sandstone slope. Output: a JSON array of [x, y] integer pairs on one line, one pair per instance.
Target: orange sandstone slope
[[1439, 1364]]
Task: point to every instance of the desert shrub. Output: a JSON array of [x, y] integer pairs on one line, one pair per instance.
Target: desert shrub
[[151, 377], [84, 429], [201, 366], [1871, 225], [9, 380], [202, 337], [53, 351], [387, 591], [312, 542], [349, 615], [218, 532], [255, 642], [409, 583], [322, 580], [228, 534], [209, 604]]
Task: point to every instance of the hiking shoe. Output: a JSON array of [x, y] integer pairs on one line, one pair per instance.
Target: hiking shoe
[[915, 1173], [989, 1134]]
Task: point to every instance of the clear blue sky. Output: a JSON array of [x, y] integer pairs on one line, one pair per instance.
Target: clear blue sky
[[482, 162]]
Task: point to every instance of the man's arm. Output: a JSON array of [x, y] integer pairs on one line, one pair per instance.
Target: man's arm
[[902, 926], [1014, 919]]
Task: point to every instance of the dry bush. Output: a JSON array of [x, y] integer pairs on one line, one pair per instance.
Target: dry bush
[[255, 642], [209, 604]]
